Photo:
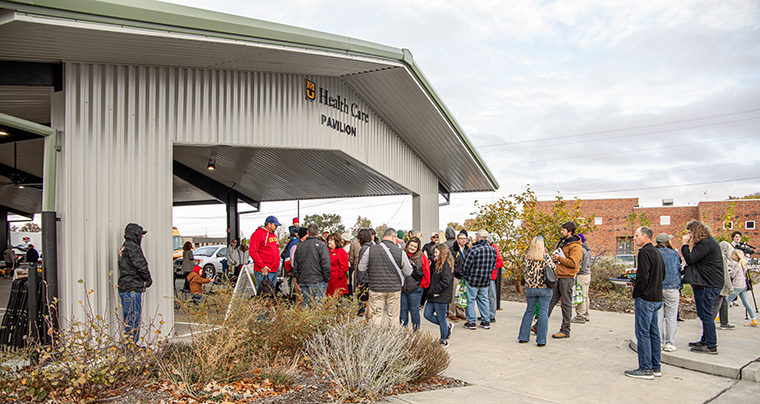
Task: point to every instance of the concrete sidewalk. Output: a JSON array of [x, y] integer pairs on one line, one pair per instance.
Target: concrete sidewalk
[[737, 349], [585, 368]]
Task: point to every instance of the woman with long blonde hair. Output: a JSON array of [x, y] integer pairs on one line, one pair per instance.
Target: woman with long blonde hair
[[739, 281], [537, 291]]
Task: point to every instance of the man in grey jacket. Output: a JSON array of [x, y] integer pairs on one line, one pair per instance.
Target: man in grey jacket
[[387, 266], [311, 266], [584, 279]]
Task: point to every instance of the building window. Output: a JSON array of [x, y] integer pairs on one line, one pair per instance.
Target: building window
[[728, 225], [749, 225], [625, 245], [664, 220], [598, 221]]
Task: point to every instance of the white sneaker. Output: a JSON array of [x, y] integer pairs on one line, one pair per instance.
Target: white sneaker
[[669, 347]]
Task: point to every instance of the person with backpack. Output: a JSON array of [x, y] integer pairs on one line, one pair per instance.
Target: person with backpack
[[134, 279]]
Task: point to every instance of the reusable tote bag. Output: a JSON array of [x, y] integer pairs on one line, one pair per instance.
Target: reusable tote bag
[[577, 293], [460, 296]]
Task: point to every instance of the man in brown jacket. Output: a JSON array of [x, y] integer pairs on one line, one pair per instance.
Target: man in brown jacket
[[568, 256]]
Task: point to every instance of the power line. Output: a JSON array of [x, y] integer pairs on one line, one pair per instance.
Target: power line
[[621, 136], [631, 127], [632, 151], [659, 187]]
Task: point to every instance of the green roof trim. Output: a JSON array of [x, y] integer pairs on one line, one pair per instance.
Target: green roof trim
[[152, 14]]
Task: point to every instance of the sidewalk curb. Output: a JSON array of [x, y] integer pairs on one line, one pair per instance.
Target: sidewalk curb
[[751, 369]]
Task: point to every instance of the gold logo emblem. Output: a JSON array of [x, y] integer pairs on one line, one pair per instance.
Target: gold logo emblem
[[311, 91]]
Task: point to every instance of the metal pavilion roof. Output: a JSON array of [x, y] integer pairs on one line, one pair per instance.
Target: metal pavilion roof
[[159, 34]]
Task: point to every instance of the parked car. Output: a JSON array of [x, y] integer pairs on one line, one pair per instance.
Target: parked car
[[211, 258]]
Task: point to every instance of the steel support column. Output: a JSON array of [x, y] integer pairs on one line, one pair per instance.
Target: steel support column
[[233, 218]]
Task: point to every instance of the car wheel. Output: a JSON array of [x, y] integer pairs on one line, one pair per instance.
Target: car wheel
[[209, 271]]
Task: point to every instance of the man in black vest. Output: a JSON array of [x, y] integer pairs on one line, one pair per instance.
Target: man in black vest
[[386, 266]]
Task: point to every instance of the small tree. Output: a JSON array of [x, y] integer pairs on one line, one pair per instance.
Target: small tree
[[29, 227], [380, 230], [361, 223], [455, 225], [517, 219], [330, 221]]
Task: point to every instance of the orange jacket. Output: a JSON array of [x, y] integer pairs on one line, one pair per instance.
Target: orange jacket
[[196, 282], [570, 264]]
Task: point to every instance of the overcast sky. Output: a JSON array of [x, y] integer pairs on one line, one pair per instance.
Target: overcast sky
[[589, 99]]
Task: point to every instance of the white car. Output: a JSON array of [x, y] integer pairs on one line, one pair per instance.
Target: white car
[[212, 259]]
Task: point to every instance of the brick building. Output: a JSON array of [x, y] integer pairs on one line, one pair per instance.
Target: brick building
[[614, 230]]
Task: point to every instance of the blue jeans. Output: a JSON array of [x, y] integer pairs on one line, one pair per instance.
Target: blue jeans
[[479, 295], [313, 292], [410, 305], [742, 293], [259, 277], [648, 333], [131, 304], [436, 314], [543, 296], [492, 299], [704, 298]]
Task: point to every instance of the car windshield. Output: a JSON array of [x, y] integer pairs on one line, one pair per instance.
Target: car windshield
[[177, 241], [205, 251]]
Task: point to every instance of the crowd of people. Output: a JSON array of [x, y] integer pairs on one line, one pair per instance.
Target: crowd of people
[[395, 276]]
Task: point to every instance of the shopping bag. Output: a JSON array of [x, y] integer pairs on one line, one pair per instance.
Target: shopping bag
[[577, 293], [460, 296]]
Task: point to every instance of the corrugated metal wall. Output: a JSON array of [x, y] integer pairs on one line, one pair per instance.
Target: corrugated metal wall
[[116, 163], [115, 168]]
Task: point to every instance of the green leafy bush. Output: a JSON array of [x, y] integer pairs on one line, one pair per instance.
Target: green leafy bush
[[602, 269]]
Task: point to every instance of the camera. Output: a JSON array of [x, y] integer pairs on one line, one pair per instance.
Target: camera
[[745, 248]]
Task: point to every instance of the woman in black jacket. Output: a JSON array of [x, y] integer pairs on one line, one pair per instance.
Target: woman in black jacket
[[440, 291], [704, 272]]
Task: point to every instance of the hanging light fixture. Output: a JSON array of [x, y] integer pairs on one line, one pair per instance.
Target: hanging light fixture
[[3, 131], [211, 164]]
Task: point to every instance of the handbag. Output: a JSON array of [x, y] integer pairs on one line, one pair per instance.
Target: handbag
[[460, 296], [550, 277], [577, 294]]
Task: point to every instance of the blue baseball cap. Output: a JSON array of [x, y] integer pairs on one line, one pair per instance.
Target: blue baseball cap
[[272, 219]]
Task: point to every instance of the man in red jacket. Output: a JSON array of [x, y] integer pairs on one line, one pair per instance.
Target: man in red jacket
[[265, 251]]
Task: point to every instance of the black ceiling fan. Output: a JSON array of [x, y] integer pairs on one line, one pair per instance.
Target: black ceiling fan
[[18, 178]]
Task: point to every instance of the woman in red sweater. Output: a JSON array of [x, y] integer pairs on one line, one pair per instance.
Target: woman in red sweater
[[338, 285]]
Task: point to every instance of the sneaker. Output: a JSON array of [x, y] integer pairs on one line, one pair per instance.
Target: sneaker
[[727, 326], [493, 320], [445, 344], [697, 344], [533, 328], [522, 342], [752, 323], [705, 349], [669, 347], [578, 320], [485, 325], [451, 327], [470, 326], [640, 374], [657, 372], [540, 345]]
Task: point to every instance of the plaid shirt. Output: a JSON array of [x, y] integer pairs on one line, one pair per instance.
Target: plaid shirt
[[479, 262]]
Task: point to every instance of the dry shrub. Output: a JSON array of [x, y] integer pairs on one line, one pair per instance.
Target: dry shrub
[[602, 269], [363, 360], [284, 328], [432, 357], [248, 338], [91, 360]]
